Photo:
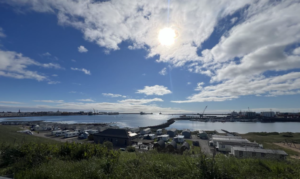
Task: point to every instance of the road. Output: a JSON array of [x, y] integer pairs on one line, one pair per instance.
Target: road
[[203, 144]]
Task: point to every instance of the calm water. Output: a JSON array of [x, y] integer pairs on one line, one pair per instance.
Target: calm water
[[148, 120]]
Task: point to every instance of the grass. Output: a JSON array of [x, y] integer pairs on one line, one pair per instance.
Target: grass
[[267, 139], [195, 149], [9, 135], [43, 158], [61, 162]]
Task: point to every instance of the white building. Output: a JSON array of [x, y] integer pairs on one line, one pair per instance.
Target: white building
[[226, 146], [268, 114], [146, 131], [164, 137], [244, 152], [159, 131], [71, 134], [152, 136], [239, 140], [179, 138]]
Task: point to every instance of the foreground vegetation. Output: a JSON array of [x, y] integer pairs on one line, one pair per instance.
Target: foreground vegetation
[[24, 156], [72, 160], [9, 135]]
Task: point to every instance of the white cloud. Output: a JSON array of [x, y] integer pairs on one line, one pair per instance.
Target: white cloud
[[15, 65], [87, 72], [241, 86], [163, 71], [112, 22], [154, 90], [55, 75], [141, 101], [73, 60], [10, 102], [233, 20], [46, 54], [49, 101], [113, 95], [199, 86], [85, 100], [53, 82], [2, 33], [260, 42], [82, 49], [188, 83], [296, 51]]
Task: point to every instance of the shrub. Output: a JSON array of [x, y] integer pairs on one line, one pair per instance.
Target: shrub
[[91, 137], [130, 149], [108, 145]]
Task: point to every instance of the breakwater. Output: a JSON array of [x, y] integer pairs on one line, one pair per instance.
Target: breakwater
[[164, 125]]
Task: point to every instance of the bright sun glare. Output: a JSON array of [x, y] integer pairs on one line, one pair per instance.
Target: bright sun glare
[[167, 36]]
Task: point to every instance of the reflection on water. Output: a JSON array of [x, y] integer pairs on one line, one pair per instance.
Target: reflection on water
[[239, 127], [122, 120], [127, 120]]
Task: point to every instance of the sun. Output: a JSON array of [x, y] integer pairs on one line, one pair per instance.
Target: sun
[[167, 36]]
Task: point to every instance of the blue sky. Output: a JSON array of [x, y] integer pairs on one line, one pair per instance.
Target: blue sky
[[80, 55]]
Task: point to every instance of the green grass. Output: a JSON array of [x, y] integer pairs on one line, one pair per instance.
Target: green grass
[[9, 135], [267, 139], [43, 159], [81, 161], [195, 149]]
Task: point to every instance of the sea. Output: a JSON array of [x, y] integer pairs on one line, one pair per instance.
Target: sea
[[136, 120]]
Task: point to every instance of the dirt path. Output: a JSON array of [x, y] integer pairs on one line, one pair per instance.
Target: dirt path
[[291, 148]]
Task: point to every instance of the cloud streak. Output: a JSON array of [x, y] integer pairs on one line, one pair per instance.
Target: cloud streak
[[85, 71], [113, 95], [14, 65]]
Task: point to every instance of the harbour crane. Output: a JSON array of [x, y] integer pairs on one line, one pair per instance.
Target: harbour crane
[[203, 111]]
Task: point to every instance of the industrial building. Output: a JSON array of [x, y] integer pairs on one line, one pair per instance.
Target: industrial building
[[245, 152], [227, 146], [237, 140]]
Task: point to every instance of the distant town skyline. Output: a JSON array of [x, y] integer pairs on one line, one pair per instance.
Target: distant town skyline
[[133, 56]]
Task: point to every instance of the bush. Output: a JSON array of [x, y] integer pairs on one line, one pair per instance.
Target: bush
[[108, 145], [91, 137], [288, 134], [130, 149]]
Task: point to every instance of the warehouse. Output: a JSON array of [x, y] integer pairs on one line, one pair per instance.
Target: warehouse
[[226, 146], [246, 152], [239, 140]]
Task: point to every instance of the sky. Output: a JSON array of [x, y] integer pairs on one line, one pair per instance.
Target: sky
[[168, 56]]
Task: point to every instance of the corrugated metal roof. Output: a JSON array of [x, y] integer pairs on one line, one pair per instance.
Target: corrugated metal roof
[[230, 140], [224, 136], [233, 143], [252, 149]]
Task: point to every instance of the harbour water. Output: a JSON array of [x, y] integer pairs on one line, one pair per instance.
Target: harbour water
[[127, 120]]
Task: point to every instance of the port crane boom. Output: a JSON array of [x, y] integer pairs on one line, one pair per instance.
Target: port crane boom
[[203, 111]]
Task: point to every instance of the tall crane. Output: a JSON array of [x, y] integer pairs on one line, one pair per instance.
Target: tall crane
[[203, 111]]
